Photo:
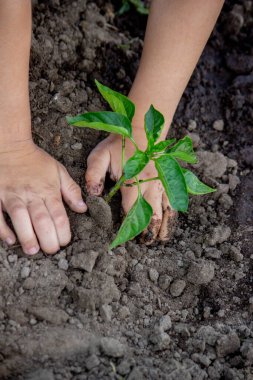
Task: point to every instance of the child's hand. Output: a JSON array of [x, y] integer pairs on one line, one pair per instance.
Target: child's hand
[[32, 185], [106, 157]]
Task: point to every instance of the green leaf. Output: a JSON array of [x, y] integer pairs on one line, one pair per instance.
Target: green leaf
[[135, 222], [183, 150], [194, 185], [154, 122], [118, 102], [104, 121], [124, 8], [162, 145], [135, 164], [173, 181]]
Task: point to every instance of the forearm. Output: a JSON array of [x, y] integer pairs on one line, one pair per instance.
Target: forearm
[[176, 34], [15, 38]]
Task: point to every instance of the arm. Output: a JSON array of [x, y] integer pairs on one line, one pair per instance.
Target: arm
[[176, 34], [32, 183]]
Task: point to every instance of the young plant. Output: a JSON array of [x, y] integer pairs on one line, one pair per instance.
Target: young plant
[[138, 4], [177, 181]]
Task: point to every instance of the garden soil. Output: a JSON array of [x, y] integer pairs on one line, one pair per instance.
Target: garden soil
[[182, 310]]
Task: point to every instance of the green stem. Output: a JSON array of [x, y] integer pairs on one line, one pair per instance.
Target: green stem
[[140, 181], [115, 188]]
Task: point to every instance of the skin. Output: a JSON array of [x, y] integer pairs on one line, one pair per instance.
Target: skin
[[33, 185]]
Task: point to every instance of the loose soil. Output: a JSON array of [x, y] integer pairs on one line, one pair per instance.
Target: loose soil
[[182, 310]]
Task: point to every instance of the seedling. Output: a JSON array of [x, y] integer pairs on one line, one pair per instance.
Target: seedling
[[138, 4], [177, 181]]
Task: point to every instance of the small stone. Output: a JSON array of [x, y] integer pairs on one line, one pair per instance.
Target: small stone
[[112, 347], [235, 254], [124, 367], [134, 289], [233, 181], [177, 287], [159, 339], [212, 253], [219, 235], [29, 283], [200, 272], [218, 125], [50, 314], [77, 146], [195, 139], [63, 264], [164, 281], [124, 312], [192, 125], [165, 322], [207, 334], [91, 362], [221, 313], [84, 260], [106, 312], [153, 275], [226, 201], [227, 345], [100, 211], [12, 258], [25, 271]]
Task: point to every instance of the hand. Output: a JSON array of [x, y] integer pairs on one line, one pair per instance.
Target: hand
[[106, 157], [32, 185]]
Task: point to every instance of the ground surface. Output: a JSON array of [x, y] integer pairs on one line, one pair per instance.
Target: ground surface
[[179, 311]]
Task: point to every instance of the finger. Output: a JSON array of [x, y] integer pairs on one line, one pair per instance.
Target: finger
[[154, 197], [22, 224], [169, 221], [71, 192], [43, 226], [6, 233], [97, 165], [129, 196], [60, 219]]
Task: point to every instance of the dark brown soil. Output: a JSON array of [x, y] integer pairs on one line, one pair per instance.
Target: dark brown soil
[[178, 311]]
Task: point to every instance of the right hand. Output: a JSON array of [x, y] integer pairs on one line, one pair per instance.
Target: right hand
[[32, 184]]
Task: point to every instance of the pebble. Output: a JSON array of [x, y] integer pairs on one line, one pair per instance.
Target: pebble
[[233, 181], [164, 281], [192, 125], [25, 271], [200, 272], [124, 312], [91, 362], [112, 347], [84, 260], [235, 254], [50, 314], [219, 235], [29, 283], [227, 345], [218, 125], [177, 287], [106, 312], [12, 258], [195, 139], [77, 146], [63, 264], [159, 339], [165, 322], [153, 275]]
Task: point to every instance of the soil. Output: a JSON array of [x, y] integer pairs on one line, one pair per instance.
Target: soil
[[182, 310]]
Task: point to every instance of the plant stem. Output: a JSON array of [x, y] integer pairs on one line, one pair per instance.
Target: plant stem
[[140, 181], [123, 152], [115, 188]]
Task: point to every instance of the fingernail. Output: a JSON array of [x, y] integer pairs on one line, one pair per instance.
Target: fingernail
[[33, 251], [81, 203], [9, 241]]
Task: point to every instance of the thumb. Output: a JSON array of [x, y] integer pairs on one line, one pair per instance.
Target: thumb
[[71, 192], [97, 165]]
